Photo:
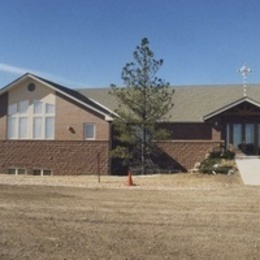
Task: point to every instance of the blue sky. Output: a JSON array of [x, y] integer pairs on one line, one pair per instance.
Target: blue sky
[[85, 43]]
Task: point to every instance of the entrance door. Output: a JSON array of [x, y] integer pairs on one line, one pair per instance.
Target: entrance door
[[243, 137]]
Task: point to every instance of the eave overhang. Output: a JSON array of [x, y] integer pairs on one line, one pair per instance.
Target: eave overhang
[[229, 106], [107, 116]]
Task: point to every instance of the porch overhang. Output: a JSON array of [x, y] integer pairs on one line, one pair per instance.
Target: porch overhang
[[230, 106]]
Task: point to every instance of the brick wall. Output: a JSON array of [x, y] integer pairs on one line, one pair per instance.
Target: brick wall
[[189, 131], [63, 157], [187, 152], [70, 114]]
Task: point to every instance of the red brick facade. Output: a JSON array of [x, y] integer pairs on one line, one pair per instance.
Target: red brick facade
[[71, 154], [187, 152], [62, 157], [70, 114]]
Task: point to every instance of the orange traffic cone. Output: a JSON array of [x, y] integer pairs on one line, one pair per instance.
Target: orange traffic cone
[[130, 179]]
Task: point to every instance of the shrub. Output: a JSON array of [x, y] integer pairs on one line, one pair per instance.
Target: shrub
[[215, 163], [207, 166], [228, 155]]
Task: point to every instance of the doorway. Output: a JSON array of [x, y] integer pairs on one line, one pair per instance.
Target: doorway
[[243, 137]]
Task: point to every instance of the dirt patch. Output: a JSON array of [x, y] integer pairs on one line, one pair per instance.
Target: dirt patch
[[44, 222]]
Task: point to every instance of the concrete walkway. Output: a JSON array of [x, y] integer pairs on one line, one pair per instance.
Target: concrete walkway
[[249, 168]]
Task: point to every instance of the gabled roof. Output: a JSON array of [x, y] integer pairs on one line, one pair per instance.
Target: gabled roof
[[231, 105], [191, 103], [70, 93]]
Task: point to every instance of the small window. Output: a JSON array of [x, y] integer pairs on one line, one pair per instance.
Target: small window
[[11, 171], [21, 171], [42, 172], [37, 172], [16, 171], [89, 131], [46, 172], [31, 87]]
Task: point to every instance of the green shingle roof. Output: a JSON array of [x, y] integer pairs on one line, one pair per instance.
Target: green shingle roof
[[191, 103]]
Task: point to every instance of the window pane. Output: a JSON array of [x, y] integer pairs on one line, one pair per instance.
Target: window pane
[[37, 172], [49, 109], [23, 107], [49, 127], [11, 171], [37, 107], [21, 171], [89, 131], [11, 127], [12, 109], [227, 136], [37, 127], [258, 135], [22, 126], [237, 135], [250, 134], [46, 172]]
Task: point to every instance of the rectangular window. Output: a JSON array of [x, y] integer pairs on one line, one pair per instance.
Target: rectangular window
[[37, 128], [237, 135], [11, 171], [21, 171], [12, 127], [16, 171], [49, 127], [249, 133], [23, 107], [46, 172], [12, 109], [227, 136], [37, 107], [258, 136], [37, 172], [49, 108], [89, 131], [42, 172], [22, 127], [28, 120]]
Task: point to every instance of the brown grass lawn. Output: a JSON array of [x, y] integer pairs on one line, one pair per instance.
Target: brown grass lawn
[[187, 217]]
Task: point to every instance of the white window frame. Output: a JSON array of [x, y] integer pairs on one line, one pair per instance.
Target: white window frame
[[17, 112], [42, 172], [16, 171], [93, 125]]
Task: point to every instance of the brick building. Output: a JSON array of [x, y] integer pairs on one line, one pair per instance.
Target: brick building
[[46, 128]]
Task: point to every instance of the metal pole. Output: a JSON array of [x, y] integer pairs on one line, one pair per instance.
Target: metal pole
[[98, 166], [244, 72]]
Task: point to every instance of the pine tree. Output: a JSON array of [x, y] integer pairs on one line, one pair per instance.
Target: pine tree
[[143, 102]]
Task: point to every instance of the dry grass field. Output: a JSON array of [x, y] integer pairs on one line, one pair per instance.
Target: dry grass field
[[163, 217]]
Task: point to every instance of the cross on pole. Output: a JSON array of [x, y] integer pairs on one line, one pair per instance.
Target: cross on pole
[[244, 71]]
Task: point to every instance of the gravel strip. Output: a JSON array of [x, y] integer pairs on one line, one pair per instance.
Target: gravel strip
[[148, 182]]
